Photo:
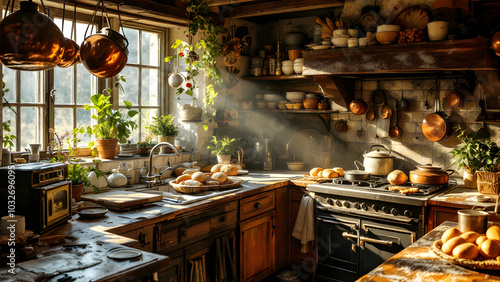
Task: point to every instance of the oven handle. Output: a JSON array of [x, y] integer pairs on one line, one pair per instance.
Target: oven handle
[[363, 239], [354, 225], [349, 236]]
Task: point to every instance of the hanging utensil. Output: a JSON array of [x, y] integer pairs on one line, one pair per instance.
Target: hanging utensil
[[71, 54], [404, 104], [370, 114], [427, 105], [395, 130], [378, 95], [436, 126], [482, 104], [359, 106], [483, 132], [385, 110], [455, 98], [341, 126]]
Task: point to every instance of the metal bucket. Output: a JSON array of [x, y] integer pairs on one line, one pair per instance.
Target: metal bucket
[[471, 220]]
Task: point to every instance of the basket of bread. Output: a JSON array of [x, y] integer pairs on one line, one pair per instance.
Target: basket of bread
[[470, 249], [193, 181], [324, 174]]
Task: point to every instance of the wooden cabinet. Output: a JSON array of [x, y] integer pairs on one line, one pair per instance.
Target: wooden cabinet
[[438, 215], [257, 247], [175, 270], [144, 237]]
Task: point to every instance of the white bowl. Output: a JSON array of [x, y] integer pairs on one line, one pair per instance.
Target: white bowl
[[287, 69], [437, 30], [298, 68], [272, 97], [299, 61], [340, 41], [295, 95], [286, 62], [295, 165], [388, 27], [339, 31]]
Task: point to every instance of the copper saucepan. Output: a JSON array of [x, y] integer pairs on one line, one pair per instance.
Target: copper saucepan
[[430, 175]]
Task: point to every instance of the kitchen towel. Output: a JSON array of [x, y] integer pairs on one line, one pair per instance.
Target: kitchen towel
[[304, 224]]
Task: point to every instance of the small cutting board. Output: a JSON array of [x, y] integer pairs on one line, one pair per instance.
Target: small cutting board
[[122, 200]]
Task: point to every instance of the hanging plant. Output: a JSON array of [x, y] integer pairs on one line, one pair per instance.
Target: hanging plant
[[200, 21]]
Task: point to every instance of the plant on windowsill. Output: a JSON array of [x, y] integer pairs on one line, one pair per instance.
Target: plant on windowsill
[[223, 147], [480, 159], [78, 175], [164, 128], [8, 139], [111, 127]]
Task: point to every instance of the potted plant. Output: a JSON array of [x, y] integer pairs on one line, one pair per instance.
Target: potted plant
[[111, 127], [164, 128], [223, 147], [480, 159], [78, 175]]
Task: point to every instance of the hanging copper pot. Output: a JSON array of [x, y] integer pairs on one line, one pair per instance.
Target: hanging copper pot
[[71, 54], [495, 43], [31, 41], [105, 53]]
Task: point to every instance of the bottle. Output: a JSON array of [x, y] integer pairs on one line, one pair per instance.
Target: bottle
[[268, 157]]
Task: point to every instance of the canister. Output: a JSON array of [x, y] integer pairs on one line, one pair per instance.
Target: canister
[[472, 220]]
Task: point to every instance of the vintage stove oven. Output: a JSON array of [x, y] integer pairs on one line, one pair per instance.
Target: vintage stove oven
[[38, 191], [362, 224]]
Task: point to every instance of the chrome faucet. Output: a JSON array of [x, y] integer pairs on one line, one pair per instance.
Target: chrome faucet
[[151, 178]]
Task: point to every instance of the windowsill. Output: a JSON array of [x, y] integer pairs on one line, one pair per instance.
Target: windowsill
[[89, 159]]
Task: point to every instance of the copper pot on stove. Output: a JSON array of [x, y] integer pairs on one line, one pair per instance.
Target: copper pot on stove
[[430, 175]]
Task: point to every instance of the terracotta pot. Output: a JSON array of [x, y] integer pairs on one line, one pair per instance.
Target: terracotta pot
[[430, 175], [106, 148], [76, 191], [311, 103]]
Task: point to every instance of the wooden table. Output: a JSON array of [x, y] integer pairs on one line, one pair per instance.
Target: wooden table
[[419, 263]]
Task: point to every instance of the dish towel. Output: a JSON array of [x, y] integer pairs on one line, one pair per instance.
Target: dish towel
[[304, 224]]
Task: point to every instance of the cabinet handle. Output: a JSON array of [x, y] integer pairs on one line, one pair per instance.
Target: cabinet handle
[[257, 205], [184, 233], [222, 218], [142, 240], [167, 242]]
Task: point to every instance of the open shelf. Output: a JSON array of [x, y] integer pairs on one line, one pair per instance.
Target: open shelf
[[278, 77]]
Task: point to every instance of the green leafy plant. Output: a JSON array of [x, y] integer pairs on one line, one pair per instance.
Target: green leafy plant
[[163, 126], [476, 154], [111, 124], [78, 174], [223, 145], [8, 139]]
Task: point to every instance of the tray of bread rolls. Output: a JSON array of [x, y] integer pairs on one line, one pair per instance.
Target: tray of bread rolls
[[319, 174], [470, 249], [221, 178]]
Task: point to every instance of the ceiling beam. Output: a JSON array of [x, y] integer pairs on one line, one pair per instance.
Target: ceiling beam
[[283, 6]]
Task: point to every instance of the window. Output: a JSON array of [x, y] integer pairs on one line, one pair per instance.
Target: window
[[142, 73]]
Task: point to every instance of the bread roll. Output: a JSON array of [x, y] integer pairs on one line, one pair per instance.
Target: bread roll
[[481, 239], [490, 248], [199, 176], [191, 183], [220, 177], [493, 232], [229, 170], [466, 251], [451, 244], [339, 170], [207, 168], [216, 168], [190, 171], [181, 178], [470, 236], [316, 171], [178, 171], [450, 233], [212, 182]]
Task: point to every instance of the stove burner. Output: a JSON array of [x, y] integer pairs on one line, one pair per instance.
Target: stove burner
[[373, 182], [426, 189]]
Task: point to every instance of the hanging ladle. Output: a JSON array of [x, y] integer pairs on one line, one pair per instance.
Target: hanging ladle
[[395, 130], [385, 110], [403, 104]]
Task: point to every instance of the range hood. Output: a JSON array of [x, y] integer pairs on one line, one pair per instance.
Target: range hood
[[335, 70]]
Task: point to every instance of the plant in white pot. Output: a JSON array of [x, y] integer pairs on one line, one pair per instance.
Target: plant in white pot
[[164, 128], [111, 127], [223, 147]]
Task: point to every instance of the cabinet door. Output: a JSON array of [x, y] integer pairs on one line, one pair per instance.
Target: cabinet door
[[175, 270], [438, 215], [144, 237], [257, 247]]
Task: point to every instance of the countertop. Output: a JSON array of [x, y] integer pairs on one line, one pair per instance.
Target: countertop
[[99, 235], [419, 263], [461, 197]]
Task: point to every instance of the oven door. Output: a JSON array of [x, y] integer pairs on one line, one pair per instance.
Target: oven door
[[338, 253], [379, 241], [57, 202]]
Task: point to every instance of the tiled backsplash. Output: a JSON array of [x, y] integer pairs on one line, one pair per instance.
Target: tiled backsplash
[[412, 146]]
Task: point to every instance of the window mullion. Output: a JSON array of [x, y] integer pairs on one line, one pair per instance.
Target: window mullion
[[18, 116]]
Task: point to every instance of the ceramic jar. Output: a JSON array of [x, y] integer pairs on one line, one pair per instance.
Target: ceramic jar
[[287, 67], [298, 65], [311, 103]]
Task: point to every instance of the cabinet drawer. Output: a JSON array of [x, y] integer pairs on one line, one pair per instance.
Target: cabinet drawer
[[169, 239], [194, 230], [223, 220], [255, 205]]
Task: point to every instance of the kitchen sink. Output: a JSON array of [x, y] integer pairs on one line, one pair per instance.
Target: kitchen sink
[[171, 196]]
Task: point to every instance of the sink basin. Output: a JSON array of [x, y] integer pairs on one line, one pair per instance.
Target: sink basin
[[171, 196]]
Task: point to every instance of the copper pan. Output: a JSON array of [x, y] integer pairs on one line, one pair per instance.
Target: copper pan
[[430, 175]]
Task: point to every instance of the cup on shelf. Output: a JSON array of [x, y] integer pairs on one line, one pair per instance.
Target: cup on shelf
[[293, 54]]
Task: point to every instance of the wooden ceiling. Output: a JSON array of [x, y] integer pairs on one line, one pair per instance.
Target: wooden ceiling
[[172, 13]]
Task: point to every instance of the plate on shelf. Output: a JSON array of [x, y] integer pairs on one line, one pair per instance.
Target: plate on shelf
[[121, 253], [92, 212], [321, 47]]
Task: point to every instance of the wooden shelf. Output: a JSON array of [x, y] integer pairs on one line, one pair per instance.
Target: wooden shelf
[[301, 111], [278, 77]]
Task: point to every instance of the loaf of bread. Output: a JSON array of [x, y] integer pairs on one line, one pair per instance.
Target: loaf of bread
[[339, 170], [181, 178], [212, 182], [470, 236], [219, 177], [493, 232], [490, 248], [450, 233], [190, 171], [199, 176], [466, 251], [191, 183], [229, 170], [329, 173], [178, 171], [216, 168], [451, 244], [316, 171]]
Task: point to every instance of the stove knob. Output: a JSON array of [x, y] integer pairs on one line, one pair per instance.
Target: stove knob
[[384, 209], [363, 206], [346, 204], [356, 206], [394, 211], [338, 203], [407, 213], [375, 207], [330, 201]]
